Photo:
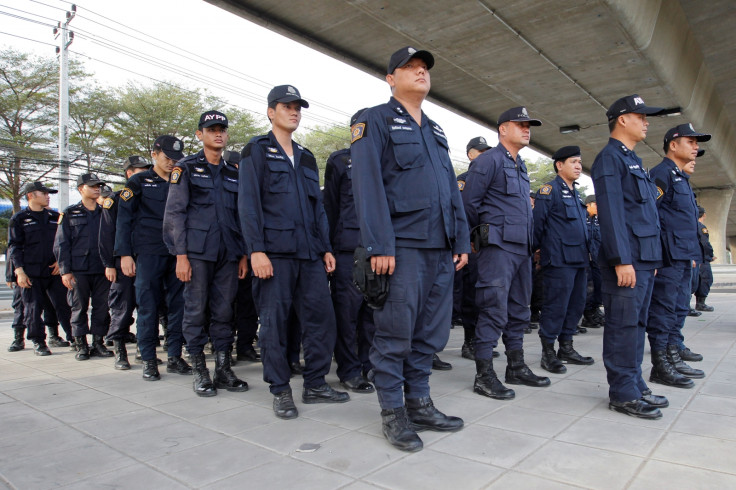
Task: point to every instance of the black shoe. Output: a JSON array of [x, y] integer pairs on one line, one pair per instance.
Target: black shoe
[[528, 329], [468, 350], [701, 306], [57, 341], [664, 373], [358, 384], [296, 368], [202, 383], [687, 355], [177, 365], [693, 312], [130, 338], [224, 376], [41, 349], [487, 383], [550, 362], [569, 355], [592, 319], [397, 430], [19, 342], [656, 401], [121, 355], [98, 348], [535, 317], [457, 322], [440, 365], [424, 416], [636, 408], [324, 394], [82, 348], [673, 355], [283, 405], [518, 373], [109, 342], [496, 354], [150, 371], [581, 329], [248, 354]]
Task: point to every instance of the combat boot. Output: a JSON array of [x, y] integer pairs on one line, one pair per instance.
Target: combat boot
[[518, 373], [40, 348], [673, 355], [397, 430], [121, 355], [550, 362], [569, 355], [177, 365], [150, 370], [98, 347], [19, 342], [487, 383], [424, 416], [202, 384], [54, 339], [82, 348], [701, 306], [224, 375], [468, 350], [664, 373]]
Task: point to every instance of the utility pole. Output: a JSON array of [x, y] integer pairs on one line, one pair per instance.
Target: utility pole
[[65, 40]]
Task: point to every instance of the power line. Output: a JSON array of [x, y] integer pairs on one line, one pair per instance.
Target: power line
[[27, 39]]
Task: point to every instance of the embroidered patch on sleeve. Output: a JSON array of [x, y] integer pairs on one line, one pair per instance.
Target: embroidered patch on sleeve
[[660, 192], [61, 217], [107, 203], [126, 194], [461, 185], [545, 189], [175, 175], [357, 132], [705, 231]]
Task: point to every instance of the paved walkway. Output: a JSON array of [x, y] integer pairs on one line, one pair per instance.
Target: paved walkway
[[83, 425]]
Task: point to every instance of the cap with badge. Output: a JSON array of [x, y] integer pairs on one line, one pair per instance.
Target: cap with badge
[[170, 145], [518, 114], [683, 131], [564, 153], [136, 162], [90, 180], [631, 104], [402, 57], [478, 143], [286, 94], [212, 118], [36, 186]]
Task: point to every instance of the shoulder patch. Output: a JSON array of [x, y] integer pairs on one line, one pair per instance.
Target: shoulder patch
[[705, 231], [126, 194], [660, 192], [545, 190], [175, 175], [108, 202], [461, 185], [357, 131], [61, 217]]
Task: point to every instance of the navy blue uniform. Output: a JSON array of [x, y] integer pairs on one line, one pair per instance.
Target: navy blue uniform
[[561, 235], [140, 222], [409, 207], [594, 298], [30, 246], [354, 319], [77, 251], [122, 293], [704, 276], [465, 280], [282, 215], [201, 221], [678, 220], [497, 193], [627, 213]]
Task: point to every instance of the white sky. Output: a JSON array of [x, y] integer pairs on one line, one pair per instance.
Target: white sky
[[218, 52]]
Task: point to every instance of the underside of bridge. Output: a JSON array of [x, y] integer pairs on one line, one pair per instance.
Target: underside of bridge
[[565, 60]]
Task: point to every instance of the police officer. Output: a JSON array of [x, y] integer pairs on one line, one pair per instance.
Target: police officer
[[122, 293], [704, 276], [143, 255], [201, 228], [496, 199], [630, 253], [592, 316], [287, 237], [413, 226], [18, 325], [31, 259], [77, 251], [561, 236], [678, 220]]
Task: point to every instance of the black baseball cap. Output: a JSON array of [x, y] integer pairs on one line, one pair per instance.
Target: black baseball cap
[[212, 118], [170, 145], [518, 114], [590, 199], [479, 143], [701, 211], [631, 104], [685, 130], [402, 57], [90, 180], [36, 186], [136, 161], [286, 94]]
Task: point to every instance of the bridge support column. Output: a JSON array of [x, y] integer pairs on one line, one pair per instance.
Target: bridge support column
[[717, 202]]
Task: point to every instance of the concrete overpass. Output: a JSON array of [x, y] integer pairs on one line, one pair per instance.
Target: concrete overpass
[[566, 60]]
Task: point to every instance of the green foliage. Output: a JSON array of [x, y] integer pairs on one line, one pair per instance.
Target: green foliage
[[324, 140], [540, 172], [244, 125]]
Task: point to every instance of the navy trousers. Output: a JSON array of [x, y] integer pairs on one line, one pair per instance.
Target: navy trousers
[[122, 304], [564, 302], [670, 305], [35, 302], [94, 288]]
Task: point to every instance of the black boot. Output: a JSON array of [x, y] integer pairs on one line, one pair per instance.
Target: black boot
[[673, 355], [701, 306], [82, 348], [283, 405], [590, 319], [19, 342], [424, 416], [488, 384], [664, 373], [98, 347], [224, 375], [121, 355], [687, 355], [550, 362], [54, 339], [40, 348], [177, 365], [518, 373], [657, 401], [569, 355], [468, 350], [150, 370], [440, 365], [203, 385], [139, 359], [397, 430]]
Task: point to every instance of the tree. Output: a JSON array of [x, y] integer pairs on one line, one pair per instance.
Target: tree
[[92, 111], [323, 140], [540, 172]]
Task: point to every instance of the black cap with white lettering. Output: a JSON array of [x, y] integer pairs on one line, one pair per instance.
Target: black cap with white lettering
[[631, 104], [518, 114], [212, 118]]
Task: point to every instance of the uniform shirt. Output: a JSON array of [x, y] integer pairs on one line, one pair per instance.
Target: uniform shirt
[[76, 246], [31, 241], [107, 229], [678, 212], [706, 247], [627, 210], [140, 219], [560, 227], [594, 232], [404, 185], [497, 193], [280, 203], [339, 203]]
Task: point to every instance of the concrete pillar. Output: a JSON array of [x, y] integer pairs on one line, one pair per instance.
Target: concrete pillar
[[732, 248], [717, 203]]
